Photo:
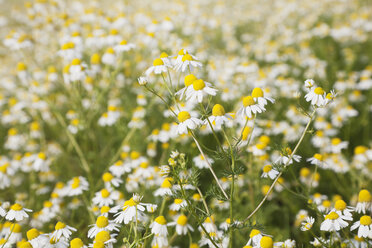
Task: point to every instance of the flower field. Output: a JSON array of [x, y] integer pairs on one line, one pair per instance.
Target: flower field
[[203, 123]]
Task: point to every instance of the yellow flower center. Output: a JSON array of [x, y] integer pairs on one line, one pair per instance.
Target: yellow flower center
[[267, 168], [182, 220], [48, 204], [134, 155], [332, 216], [189, 79], [60, 225], [107, 177], [102, 236], [32, 233], [158, 62], [16, 228], [105, 193], [102, 221], [99, 244], [319, 91], [183, 116], [340, 205], [167, 183], [178, 201], [25, 244], [365, 220], [160, 220], [144, 165], [164, 55], [4, 168], [95, 59], [75, 62], [123, 42], [105, 209], [254, 232], [364, 196], [326, 203], [304, 172], [257, 92], [218, 110], [16, 207], [75, 182], [76, 243], [266, 242], [187, 57], [248, 101], [318, 156], [110, 50], [360, 149], [336, 141], [198, 84], [129, 203], [41, 155]]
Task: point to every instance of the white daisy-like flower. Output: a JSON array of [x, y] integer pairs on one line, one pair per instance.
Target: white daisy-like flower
[[201, 163], [269, 171], [307, 224], [189, 79], [316, 96], [76, 186], [182, 227], [36, 239], [336, 145], [364, 201], [343, 210], [258, 96], [178, 204], [157, 67], [159, 226], [132, 208], [198, 90], [103, 239], [105, 197], [124, 46], [102, 224], [187, 122], [119, 168], [364, 226], [109, 180], [249, 108], [333, 222], [286, 158], [317, 159], [109, 57], [309, 83], [187, 61], [219, 116], [62, 230], [17, 212], [165, 188]]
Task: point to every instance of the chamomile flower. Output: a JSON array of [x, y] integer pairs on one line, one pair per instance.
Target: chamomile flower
[[198, 90], [17, 212], [333, 222], [309, 83], [316, 96], [159, 226], [364, 226], [132, 210], [189, 79], [76, 186], [105, 197], [343, 210], [102, 224], [317, 159], [62, 230], [187, 62], [269, 171], [286, 157], [187, 122], [165, 188], [249, 108], [258, 96], [364, 201], [36, 239], [124, 46], [178, 204], [307, 224], [219, 116], [157, 67], [182, 227], [201, 163], [77, 243]]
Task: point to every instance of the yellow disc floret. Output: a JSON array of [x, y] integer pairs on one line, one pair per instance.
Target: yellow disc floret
[[160, 220], [364, 196], [189, 79], [332, 216], [218, 110], [319, 91], [102, 221], [183, 116], [198, 84], [248, 101], [158, 62], [257, 92], [365, 220]]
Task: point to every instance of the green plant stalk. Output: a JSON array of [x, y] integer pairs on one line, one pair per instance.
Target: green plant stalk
[[290, 158]]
